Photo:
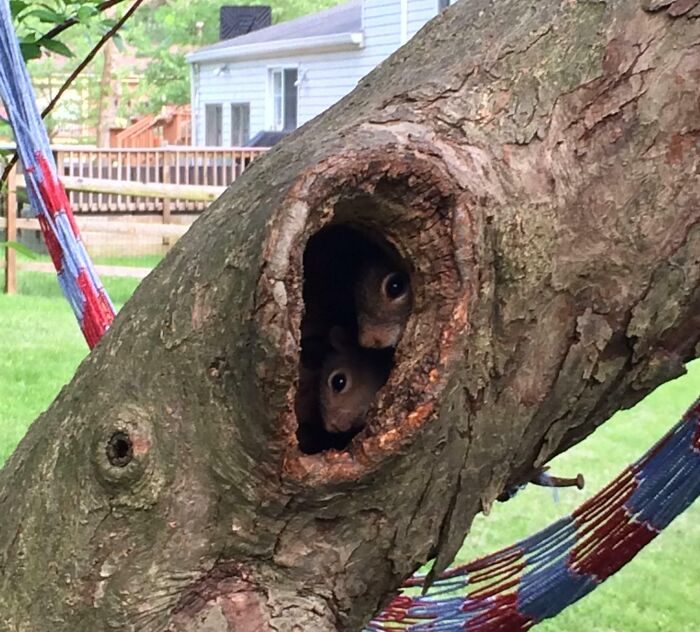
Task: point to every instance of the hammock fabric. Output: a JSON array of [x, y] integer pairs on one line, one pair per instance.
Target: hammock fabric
[[535, 579], [512, 589], [47, 197]]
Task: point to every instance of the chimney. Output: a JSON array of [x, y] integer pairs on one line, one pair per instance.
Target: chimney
[[239, 20]]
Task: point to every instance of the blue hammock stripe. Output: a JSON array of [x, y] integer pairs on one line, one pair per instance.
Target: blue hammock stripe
[[76, 274], [535, 579]]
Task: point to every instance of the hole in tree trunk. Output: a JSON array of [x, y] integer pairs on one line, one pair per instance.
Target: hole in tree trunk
[[120, 449], [357, 297], [390, 200]]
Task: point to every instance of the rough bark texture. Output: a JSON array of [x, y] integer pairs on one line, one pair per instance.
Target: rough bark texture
[[537, 165]]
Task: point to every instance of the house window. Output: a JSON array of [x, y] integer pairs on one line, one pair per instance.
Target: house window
[[213, 119], [443, 4], [240, 124], [284, 98]]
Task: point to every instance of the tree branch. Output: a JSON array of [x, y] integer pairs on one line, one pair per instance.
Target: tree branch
[[58, 29], [90, 56]]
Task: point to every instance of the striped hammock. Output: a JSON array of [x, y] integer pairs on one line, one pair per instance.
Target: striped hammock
[[47, 197]]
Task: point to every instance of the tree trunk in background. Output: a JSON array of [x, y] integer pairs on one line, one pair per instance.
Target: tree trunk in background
[[536, 164], [106, 106]]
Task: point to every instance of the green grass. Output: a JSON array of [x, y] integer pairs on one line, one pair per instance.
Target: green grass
[[135, 261], [41, 285], [41, 346], [660, 588], [140, 261]]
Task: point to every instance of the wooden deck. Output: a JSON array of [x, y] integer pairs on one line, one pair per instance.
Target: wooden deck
[[201, 166], [215, 167], [135, 201]]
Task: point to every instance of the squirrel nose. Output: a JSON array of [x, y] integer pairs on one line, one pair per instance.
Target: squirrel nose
[[370, 339], [379, 339]]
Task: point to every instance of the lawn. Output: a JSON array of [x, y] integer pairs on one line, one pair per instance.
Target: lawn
[[659, 590], [41, 347]]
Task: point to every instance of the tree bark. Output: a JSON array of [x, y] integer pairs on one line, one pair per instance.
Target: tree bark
[[536, 165]]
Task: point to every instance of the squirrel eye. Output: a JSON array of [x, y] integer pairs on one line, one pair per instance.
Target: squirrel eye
[[338, 381], [394, 285]]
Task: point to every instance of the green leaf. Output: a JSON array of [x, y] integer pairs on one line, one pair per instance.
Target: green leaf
[[17, 6], [85, 12], [56, 47], [30, 50], [29, 38], [46, 15], [105, 25], [20, 248], [119, 44]]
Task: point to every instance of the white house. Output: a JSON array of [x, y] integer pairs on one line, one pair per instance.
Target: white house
[[279, 77]]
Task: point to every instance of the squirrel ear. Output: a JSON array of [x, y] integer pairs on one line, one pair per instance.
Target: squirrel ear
[[339, 338]]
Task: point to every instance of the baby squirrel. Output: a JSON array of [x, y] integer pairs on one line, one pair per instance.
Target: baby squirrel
[[344, 366], [383, 301], [350, 378]]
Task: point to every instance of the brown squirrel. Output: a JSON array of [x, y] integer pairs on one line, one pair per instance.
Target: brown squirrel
[[383, 299], [348, 341], [349, 380]]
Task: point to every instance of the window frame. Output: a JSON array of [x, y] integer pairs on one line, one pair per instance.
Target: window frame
[[276, 104], [220, 118], [244, 106]]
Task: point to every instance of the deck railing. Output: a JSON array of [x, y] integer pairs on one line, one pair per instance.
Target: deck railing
[[129, 235], [140, 134], [177, 165], [172, 126], [200, 166]]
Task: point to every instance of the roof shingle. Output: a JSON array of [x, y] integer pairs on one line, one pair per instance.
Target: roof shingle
[[343, 18]]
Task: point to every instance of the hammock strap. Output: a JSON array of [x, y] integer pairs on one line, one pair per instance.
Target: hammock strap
[[47, 197]]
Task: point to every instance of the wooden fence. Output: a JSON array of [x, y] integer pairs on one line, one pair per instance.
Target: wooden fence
[[10, 226], [191, 166], [175, 165], [168, 233]]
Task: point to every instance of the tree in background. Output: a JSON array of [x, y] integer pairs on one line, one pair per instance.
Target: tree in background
[[40, 24], [55, 36]]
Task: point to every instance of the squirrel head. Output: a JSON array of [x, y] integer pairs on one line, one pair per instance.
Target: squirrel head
[[383, 298], [350, 379]]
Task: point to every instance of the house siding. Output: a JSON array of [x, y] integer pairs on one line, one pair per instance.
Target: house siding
[[381, 22], [324, 78], [419, 13]]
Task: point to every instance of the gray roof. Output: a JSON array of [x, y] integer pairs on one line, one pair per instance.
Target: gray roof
[[343, 18]]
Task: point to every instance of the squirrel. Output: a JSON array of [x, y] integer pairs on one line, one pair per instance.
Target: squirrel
[[347, 342], [383, 300], [349, 380]]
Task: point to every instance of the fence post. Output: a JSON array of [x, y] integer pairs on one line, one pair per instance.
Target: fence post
[[11, 232], [166, 201]]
